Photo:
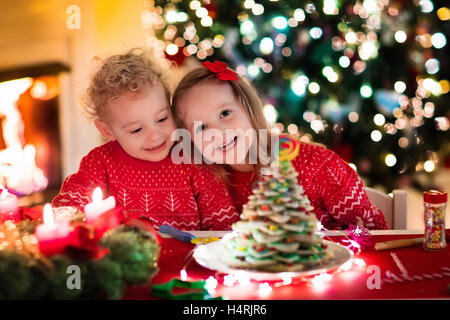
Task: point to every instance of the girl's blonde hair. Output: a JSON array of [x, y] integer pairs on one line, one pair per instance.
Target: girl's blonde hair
[[119, 74], [248, 97]]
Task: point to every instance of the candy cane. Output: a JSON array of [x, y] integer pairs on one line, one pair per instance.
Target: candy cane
[[399, 264], [391, 277]]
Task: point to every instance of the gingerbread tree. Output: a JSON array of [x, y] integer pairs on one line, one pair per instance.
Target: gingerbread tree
[[278, 229]]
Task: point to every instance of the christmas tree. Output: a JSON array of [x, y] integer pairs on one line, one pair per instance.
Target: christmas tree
[[277, 231], [369, 78]]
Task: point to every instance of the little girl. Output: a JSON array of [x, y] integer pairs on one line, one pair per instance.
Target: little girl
[[214, 98], [129, 100]]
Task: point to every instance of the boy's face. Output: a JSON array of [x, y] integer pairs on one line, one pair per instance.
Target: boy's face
[[141, 122]]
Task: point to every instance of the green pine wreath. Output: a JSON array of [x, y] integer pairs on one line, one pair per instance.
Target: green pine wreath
[[131, 260]]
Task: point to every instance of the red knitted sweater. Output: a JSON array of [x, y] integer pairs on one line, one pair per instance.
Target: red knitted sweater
[[335, 190], [184, 196]]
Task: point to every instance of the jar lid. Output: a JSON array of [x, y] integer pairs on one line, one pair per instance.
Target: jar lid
[[435, 196]]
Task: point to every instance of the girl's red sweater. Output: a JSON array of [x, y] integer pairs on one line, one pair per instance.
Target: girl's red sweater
[[333, 187]]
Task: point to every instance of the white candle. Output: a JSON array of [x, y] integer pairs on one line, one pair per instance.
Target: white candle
[[50, 230], [98, 206], [9, 206]]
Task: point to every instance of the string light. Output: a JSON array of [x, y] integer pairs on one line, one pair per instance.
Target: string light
[[171, 16], [350, 37], [390, 160], [443, 13], [429, 166], [229, 280], [399, 86], [438, 40], [432, 66], [264, 289], [314, 87], [299, 84], [330, 74], [315, 32], [330, 7], [266, 45], [376, 135], [194, 5], [206, 21], [183, 275], [299, 15], [379, 119], [426, 6], [252, 70], [201, 12], [366, 91], [400, 36], [270, 113], [403, 142], [242, 277], [211, 285], [319, 281], [258, 9], [344, 61], [353, 117], [171, 49], [317, 126], [442, 123], [279, 23]]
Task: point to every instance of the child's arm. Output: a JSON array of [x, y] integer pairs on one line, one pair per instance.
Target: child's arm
[[344, 195], [215, 205], [77, 188]]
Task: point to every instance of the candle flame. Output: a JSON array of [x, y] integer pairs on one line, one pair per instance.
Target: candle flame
[[49, 220], [97, 195], [4, 194]]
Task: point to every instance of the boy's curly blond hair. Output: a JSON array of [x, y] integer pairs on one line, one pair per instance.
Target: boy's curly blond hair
[[119, 74]]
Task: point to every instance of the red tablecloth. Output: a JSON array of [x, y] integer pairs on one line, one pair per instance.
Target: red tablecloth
[[351, 284]]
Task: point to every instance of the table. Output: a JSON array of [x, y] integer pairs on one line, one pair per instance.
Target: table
[[357, 283]]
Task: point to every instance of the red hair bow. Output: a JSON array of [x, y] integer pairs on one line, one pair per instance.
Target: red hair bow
[[221, 70]]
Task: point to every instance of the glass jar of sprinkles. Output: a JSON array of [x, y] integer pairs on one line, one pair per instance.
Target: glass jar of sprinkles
[[435, 203]]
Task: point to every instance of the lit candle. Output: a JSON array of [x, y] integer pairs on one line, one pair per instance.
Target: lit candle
[[98, 206], [9, 206], [52, 237]]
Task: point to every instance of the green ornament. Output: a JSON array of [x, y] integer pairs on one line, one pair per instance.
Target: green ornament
[[198, 290]]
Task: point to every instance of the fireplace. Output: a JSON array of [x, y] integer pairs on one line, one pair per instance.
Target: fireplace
[[30, 145]]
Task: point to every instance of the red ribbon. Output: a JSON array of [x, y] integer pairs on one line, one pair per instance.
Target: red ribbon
[[221, 70]]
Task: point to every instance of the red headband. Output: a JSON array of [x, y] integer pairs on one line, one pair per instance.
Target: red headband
[[221, 70]]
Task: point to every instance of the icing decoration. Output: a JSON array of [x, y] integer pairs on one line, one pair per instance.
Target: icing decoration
[[288, 147]]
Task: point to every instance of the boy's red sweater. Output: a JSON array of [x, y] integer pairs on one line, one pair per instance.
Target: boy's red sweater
[[184, 196]]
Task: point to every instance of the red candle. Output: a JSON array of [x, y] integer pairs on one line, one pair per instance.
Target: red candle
[[52, 237], [9, 206]]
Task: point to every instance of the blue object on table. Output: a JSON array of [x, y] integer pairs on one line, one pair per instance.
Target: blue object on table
[[177, 234]]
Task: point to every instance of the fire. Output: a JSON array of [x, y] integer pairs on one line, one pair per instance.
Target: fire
[[18, 169]]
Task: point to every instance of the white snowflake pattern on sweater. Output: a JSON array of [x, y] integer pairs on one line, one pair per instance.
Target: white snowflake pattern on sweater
[[162, 192]]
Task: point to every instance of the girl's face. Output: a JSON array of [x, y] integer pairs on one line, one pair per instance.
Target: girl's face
[[219, 126]]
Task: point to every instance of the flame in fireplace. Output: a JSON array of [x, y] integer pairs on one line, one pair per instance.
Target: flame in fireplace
[[18, 169]]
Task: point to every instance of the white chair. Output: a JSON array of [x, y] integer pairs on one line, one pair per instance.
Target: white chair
[[394, 207]]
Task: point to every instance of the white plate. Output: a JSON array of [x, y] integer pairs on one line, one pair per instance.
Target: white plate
[[212, 256]]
